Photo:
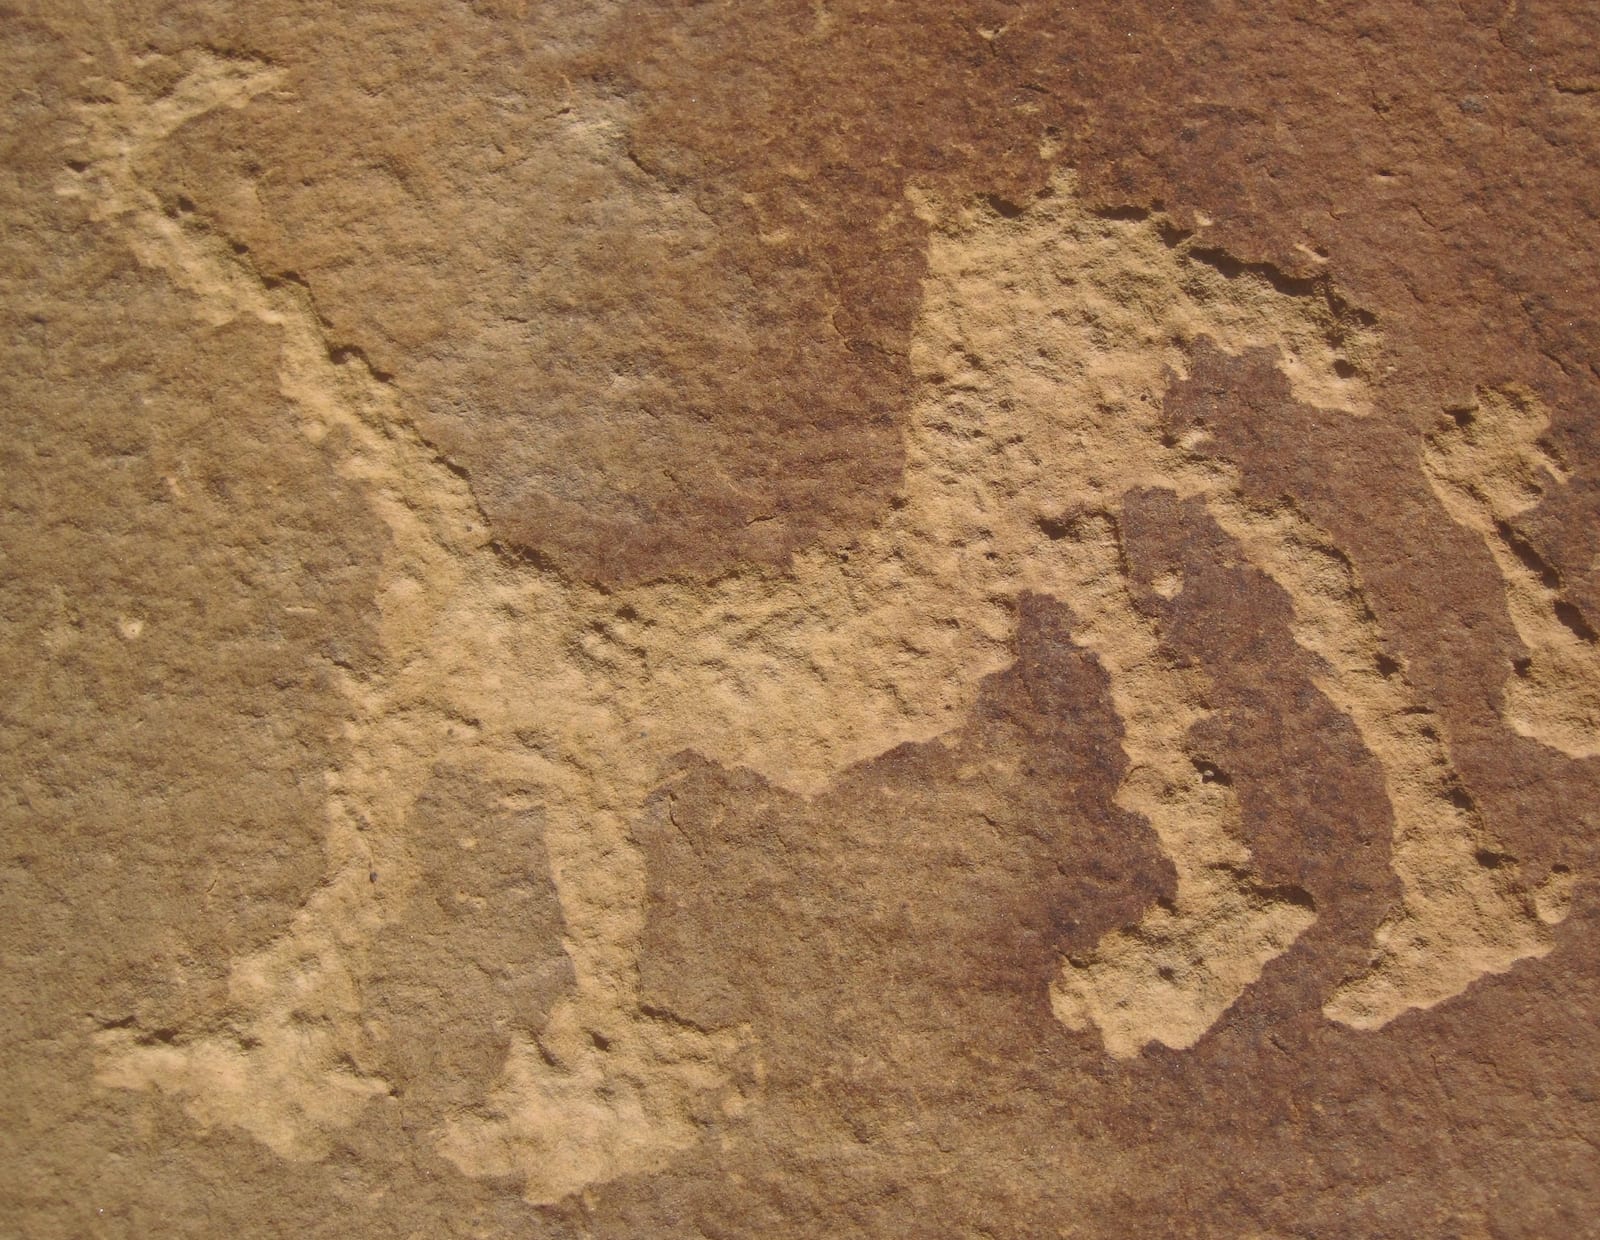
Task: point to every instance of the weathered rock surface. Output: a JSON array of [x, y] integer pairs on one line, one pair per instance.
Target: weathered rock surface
[[800, 619]]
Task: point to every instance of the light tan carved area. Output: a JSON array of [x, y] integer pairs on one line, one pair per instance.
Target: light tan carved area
[[1045, 345], [298, 1086], [1459, 917], [1488, 465], [1051, 336], [1170, 977], [479, 669]]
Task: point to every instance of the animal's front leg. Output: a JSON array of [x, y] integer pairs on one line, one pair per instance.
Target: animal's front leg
[[1168, 978]]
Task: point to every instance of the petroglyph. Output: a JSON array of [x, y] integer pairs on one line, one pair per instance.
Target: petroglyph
[[1168, 978], [1046, 343], [1460, 917], [1053, 335], [1487, 465], [476, 660]]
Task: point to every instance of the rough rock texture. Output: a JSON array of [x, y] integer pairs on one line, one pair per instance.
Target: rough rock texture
[[800, 619]]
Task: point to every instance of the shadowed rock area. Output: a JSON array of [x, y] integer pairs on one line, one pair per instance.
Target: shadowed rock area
[[800, 619]]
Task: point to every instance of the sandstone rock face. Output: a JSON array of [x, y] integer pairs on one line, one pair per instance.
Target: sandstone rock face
[[801, 619]]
